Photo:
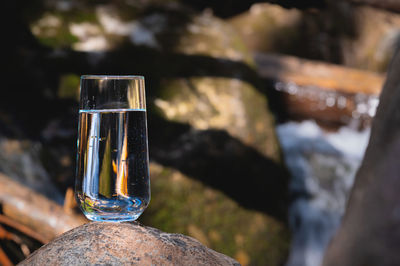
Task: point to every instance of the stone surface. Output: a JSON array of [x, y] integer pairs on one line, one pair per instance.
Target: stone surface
[[267, 27], [222, 103], [341, 33], [124, 244], [219, 175], [20, 159], [188, 206], [370, 230], [230, 101]]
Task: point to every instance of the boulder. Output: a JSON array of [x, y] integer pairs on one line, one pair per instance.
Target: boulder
[[227, 99], [370, 231], [185, 205], [20, 160], [124, 244], [340, 33], [218, 174]]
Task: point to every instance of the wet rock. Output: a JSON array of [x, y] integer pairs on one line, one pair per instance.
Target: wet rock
[[124, 244]]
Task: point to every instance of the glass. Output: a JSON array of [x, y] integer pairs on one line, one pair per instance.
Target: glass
[[112, 179]]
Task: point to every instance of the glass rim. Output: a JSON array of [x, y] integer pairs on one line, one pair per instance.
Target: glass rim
[[132, 77]]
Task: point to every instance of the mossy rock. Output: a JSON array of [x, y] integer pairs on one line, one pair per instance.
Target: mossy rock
[[230, 102], [221, 103], [182, 205], [210, 36], [269, 28]]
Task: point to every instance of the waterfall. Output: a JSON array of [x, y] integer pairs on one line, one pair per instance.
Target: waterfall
[[322, 166]]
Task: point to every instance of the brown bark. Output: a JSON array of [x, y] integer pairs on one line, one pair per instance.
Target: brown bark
[[324, 76], [22, 228], [370, 230], [35, 211]]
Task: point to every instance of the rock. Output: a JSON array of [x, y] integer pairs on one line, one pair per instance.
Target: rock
[[222, 103], [185, 205], [340, 33], [229, 102], [268, 27], [228, 98], [124, 244], [376, 40], [223, 157], [20, 159], [370, 230]]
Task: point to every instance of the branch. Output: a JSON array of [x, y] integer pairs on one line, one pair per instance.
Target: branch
[[35, 211]]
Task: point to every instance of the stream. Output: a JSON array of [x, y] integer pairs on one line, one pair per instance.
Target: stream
[[323, 165]]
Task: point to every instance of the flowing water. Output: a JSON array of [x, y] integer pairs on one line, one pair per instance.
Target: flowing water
[[323, 166]]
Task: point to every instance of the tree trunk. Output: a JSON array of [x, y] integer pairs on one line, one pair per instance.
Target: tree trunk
[[370, 230]]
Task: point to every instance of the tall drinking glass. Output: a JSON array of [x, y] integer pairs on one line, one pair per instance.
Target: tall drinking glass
[[112, 180]]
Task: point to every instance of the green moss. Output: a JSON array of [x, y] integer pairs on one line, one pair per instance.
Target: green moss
[[182, 205], [193, 101], [69, 86], [60, 40], [58, 35], [79, 16], [173, 88], [265, 136], [55, 36]]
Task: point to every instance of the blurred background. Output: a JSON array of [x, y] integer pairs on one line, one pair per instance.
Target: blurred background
[[258, 115]]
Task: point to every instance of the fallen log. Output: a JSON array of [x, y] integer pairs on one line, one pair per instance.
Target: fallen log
[[22, 228], [35, 211], [325, 76], [327, 92]]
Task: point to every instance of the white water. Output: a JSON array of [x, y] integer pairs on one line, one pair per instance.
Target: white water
[[363, 105], [323, 166]]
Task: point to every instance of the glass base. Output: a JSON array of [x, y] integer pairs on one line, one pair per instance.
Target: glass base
[[112, 217], [118, 209]]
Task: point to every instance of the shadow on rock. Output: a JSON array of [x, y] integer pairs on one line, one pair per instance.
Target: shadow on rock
[[223, 162]]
